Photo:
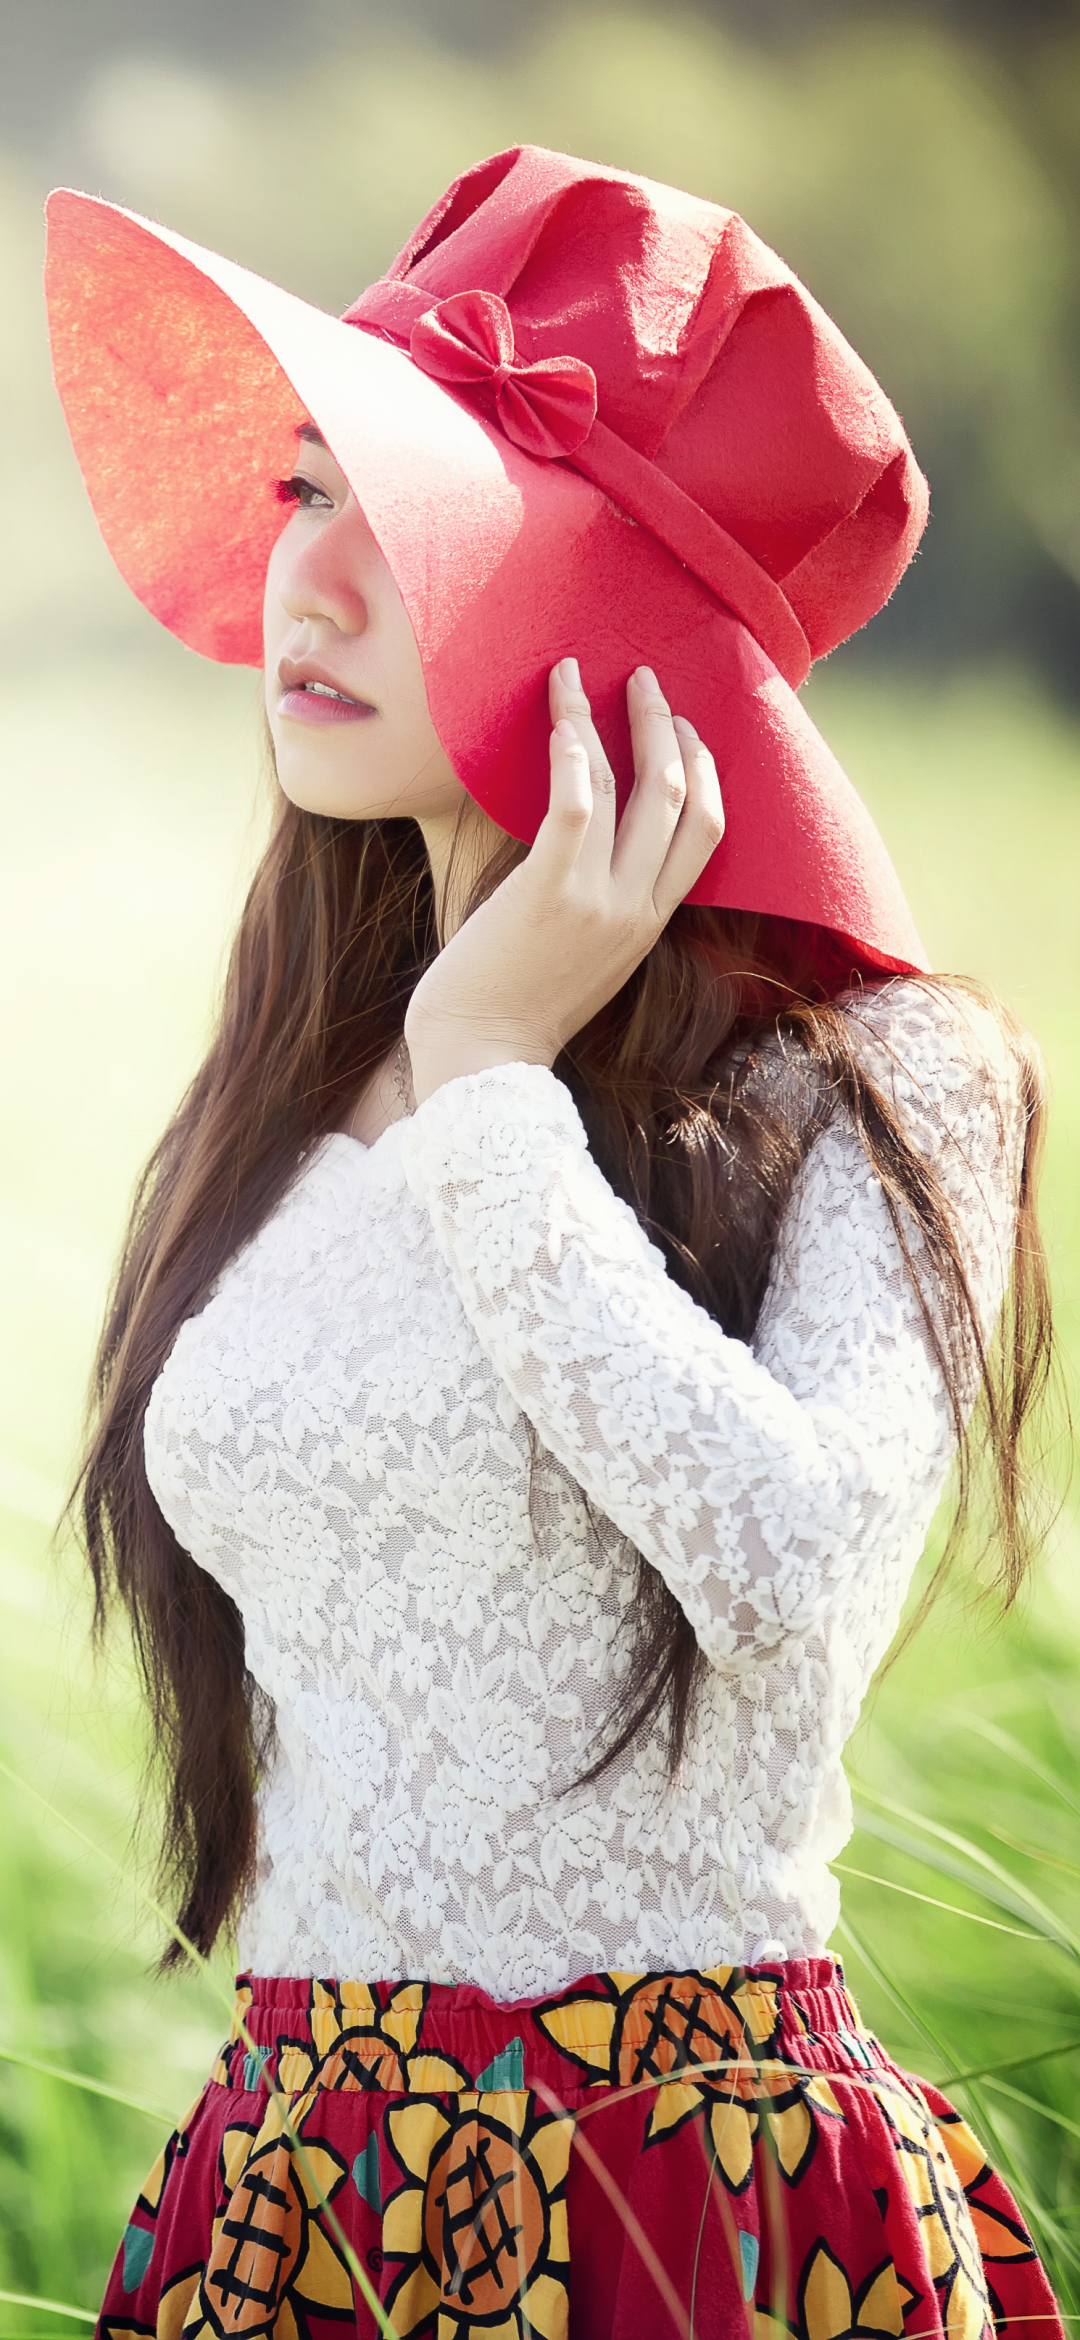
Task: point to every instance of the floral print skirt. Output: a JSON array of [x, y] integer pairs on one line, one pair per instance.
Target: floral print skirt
[[717, 2153]]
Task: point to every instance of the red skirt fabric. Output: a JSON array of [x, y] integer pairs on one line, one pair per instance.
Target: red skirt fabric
[[709, 2155]]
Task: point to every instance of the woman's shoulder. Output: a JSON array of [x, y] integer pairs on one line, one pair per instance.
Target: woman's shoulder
[[943, 1031], [946, 1018], [952, 1061]]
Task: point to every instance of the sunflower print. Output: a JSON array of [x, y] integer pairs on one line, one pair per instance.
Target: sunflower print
[[830, 2308], [782, 2178], [357, 2037], [272, 2263], [477, 2230], [723, 2025]]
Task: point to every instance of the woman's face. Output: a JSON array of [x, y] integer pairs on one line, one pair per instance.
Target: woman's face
[[344, 685]]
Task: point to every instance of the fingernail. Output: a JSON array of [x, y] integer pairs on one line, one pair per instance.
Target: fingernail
[[570, 673], [648, 682]]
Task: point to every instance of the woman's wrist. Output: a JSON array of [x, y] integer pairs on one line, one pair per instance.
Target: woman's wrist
[[449, 1051]]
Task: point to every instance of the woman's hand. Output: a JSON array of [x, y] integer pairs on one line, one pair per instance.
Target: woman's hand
[[563, 932]]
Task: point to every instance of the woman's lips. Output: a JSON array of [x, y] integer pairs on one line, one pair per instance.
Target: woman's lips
[[318, 703]]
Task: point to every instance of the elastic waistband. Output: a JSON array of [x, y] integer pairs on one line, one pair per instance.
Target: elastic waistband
[[613, 2030]]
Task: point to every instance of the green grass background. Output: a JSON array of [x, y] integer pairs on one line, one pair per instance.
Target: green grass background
[[132, 809]]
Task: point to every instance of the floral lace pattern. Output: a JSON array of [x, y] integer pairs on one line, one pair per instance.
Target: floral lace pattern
[[341, 1437]]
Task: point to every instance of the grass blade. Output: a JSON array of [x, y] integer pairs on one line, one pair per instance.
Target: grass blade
[[1066, 2047], [1017, 1753], [1034, 1852], [1002, 1889], [153, 2112], [1022, 1933], [48, 2307], [1035, 2104]]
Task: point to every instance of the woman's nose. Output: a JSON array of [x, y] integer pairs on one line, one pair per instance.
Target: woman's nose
[[320, 573]]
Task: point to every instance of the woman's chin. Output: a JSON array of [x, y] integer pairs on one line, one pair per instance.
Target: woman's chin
[[337, 804], [328, 783], [312, 784], [350, 800]]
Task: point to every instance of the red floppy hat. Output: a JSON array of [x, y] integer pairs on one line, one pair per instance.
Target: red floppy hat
[[583, 413]]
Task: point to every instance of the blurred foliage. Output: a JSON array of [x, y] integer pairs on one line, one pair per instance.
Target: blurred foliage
[[966, 1772], [129, 816], [921, 169], [76, 1954]]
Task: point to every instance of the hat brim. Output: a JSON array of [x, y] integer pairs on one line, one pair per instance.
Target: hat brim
[[185, 379]]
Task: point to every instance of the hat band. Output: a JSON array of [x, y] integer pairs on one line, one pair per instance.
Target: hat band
[[636, 486], [646, 494]]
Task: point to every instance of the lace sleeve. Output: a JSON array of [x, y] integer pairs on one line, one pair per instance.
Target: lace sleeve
[[761, 1483]]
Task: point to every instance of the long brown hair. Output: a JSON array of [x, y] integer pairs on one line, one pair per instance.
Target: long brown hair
[[339, 922]]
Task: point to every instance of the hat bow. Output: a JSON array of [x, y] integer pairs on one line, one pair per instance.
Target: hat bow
[[467, 341]]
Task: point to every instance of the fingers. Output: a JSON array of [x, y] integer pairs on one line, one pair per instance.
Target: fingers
[[563, 830], [659, 792], [700, 825], [569, 705], [674, 819]]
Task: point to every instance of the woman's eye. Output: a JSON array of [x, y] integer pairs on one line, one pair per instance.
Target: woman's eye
[[304, 492]]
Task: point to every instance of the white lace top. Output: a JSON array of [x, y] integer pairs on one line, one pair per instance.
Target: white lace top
[[341, 1438]]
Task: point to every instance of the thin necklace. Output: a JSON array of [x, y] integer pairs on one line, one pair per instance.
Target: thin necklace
[[403, 1078]]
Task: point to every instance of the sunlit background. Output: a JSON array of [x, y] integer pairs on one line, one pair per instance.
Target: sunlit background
[[921, 169]]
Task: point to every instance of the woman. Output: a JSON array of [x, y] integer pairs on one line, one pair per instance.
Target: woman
[[547, 1325]]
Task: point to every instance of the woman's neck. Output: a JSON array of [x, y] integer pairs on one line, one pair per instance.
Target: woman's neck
[[459, 846]]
